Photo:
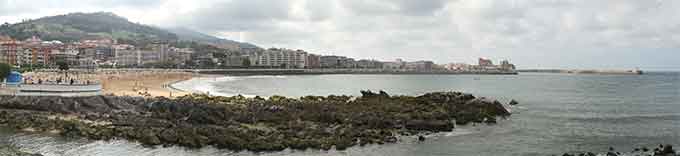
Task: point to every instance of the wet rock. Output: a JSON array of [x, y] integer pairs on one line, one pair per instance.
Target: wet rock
[[661, 150], [666, 151], [10, 150], [423, 125], [421, 138]]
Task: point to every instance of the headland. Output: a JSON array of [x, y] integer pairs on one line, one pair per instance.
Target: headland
[[254, 124]]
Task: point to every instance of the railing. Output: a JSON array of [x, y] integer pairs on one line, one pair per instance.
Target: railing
[[59, 88], [50, 90]]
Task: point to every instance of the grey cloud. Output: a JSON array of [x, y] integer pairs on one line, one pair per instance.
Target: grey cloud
[[10, 7], [17, 7], [238, 15], [394, 7], [123, 3], [318, 10], [421, 8]]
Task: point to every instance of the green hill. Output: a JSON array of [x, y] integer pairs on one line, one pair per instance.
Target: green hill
[[76, 26]]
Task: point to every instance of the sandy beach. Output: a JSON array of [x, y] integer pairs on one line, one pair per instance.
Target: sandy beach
[[147, 83]]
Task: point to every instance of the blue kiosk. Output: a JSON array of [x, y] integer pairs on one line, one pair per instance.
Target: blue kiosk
[[14, 78]]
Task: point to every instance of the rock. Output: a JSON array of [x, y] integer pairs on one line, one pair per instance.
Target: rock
[[490, 120], [9, 150], [421, 138], [513, 102], [392, 139], [148, 137], [256, 124], [666, 151], [424, 125]]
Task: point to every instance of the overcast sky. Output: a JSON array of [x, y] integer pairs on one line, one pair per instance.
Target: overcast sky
[[530, 33]]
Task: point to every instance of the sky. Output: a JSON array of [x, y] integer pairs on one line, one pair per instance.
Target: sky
[[584, 34]]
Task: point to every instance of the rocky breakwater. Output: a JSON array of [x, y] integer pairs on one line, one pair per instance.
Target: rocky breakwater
[[661, 150], [255, 124]]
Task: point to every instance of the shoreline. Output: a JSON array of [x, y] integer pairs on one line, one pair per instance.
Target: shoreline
[[143, 83]]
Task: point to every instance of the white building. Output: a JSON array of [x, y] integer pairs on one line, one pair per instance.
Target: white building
[[283, 58], [126, 55], [398, 64]]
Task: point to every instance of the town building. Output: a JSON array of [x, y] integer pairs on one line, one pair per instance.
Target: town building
[[104, 53], [126, 55], [163, 50], [33, 41], [337, 62], [180, 56], [283, 58], [397, 64], [313, 61], [236, 61], [369, 64], [67, 54], [419, 65], [102, 42], [8, 50], [27, 55], [42, 56], [506, 65], [149, 57], [204, 59], [87, 52], [458, 67], [485, 62]]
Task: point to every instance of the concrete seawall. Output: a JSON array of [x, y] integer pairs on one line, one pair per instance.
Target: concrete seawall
[[52, 90]]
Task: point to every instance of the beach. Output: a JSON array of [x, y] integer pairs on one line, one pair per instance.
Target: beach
[[143, 83]]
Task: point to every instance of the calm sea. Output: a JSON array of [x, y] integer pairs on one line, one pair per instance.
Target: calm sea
[[557, 113]]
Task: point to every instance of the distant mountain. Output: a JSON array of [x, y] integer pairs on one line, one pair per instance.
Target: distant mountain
[[191, 35], [77, 26]]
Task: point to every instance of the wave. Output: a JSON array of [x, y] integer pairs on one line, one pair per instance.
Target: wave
[[207, 84], [622, 117]]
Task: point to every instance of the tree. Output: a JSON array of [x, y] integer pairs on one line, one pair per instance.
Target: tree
[[4, 70], [246, 62], [63, 66]]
